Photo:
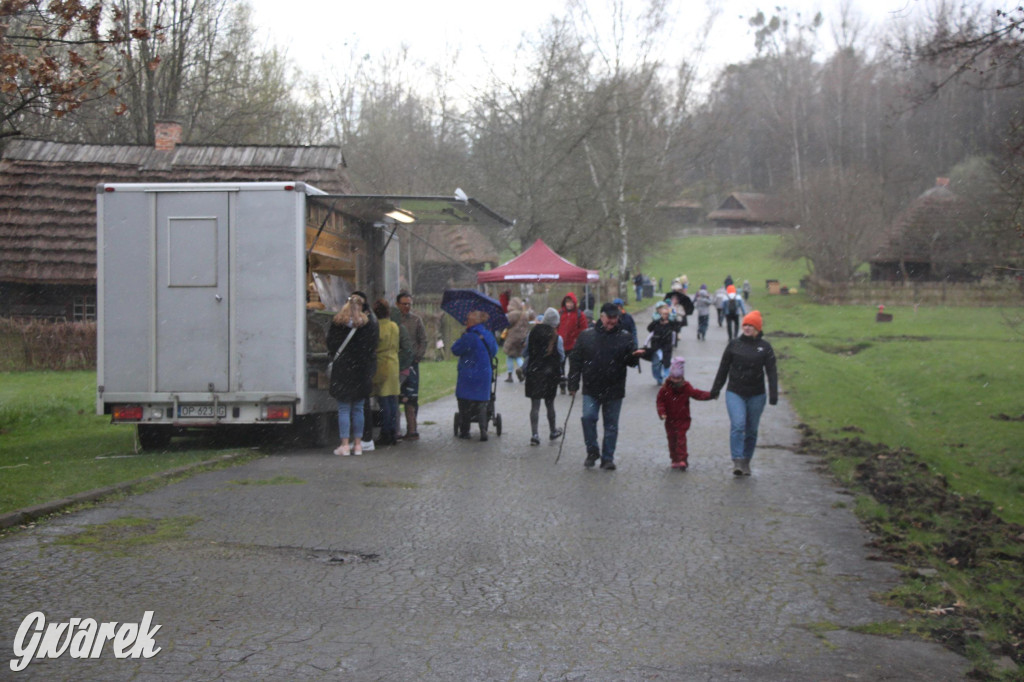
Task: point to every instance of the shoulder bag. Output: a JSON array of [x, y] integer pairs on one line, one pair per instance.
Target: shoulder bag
[[337, 354]]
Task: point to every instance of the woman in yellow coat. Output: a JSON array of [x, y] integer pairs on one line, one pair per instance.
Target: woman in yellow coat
[[386, 381]]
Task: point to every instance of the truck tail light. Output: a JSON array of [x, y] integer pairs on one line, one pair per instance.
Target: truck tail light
[[127, 413], [279, 412]]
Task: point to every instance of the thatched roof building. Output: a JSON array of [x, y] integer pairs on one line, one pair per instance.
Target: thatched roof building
[[48, 205], [940, 236], [446, 256], [679, 212], [749, 209]]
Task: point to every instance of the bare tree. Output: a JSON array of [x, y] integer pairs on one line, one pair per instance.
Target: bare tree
[[56, 56], [969, 60], [528, 132], [840, 219], [643, 121], [397, 136]]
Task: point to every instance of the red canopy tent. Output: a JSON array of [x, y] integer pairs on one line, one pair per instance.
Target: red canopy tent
[[538, 264]]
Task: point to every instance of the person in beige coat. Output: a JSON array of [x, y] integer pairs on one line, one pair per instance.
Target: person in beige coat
[[386, 379], [519, 317]]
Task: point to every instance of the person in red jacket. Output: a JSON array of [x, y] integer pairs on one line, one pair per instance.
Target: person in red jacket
[[571, 322], [674, 408]]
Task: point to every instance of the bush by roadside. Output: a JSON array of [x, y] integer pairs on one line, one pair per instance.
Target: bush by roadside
[[47, 345]]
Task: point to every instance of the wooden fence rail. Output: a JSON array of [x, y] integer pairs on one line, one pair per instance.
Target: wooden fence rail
[[918, 293]]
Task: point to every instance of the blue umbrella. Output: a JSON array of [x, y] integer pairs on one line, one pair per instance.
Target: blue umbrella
[[460, 302]]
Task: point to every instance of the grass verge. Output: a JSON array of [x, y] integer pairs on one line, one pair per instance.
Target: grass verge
[[53, 446]]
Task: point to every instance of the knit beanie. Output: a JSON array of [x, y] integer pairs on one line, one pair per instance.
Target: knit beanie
[[675, 371], [753, 318], [551, 317], [730, 289]]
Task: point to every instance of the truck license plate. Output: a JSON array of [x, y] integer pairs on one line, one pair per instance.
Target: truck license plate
[[201, 411]]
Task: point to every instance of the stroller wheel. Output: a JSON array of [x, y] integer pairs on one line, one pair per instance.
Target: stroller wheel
[[457, 423], [497, 424]]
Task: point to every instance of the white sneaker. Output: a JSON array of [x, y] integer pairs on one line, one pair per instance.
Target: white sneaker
[[342, 451], [367, 446]]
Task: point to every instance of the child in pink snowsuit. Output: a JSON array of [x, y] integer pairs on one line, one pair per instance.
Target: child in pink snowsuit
[[674, 407]]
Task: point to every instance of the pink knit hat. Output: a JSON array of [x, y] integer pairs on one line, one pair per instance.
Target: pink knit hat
[[675, 371]]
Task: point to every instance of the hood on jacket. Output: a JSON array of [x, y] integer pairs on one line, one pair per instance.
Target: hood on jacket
[[572, 296]]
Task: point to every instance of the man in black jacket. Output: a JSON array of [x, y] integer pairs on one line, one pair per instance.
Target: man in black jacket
[[601, 356]]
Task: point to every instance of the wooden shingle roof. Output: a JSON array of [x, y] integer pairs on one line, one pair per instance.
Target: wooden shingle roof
[[48, 193], [750, 207], [465, 243]]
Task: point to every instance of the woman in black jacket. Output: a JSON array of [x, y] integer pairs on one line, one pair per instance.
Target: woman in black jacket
[[543, 357], [354, 331], [747, 360]]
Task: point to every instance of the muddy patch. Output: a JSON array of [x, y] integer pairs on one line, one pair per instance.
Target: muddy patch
[[942, 538], [842, 348], [1007, 418]]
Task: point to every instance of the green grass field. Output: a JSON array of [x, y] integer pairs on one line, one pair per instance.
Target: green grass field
[[53, 445]]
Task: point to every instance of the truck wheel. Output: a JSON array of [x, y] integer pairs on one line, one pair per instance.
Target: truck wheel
[[153, 437]]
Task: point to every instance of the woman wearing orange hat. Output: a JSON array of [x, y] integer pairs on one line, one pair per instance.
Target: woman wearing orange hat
[[745, 363]]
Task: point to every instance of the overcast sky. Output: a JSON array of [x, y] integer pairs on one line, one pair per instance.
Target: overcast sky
[[319, 33]]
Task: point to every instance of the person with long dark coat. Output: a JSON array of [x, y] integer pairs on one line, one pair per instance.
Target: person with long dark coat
[[352, 371], [543, 356]]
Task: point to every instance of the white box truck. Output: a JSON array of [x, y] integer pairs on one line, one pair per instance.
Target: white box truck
[[207, 296], [202, 316]]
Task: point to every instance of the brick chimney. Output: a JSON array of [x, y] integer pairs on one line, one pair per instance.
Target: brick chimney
[[167, 134]]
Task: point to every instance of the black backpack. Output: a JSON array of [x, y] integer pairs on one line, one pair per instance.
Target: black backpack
[[733, 305]]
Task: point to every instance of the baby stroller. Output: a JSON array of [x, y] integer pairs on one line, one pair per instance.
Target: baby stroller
[[492, 416]]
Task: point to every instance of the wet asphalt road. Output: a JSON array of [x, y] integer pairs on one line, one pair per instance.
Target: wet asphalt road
[[459, 560]]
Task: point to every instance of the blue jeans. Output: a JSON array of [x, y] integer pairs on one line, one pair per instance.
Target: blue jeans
[[744, 417], [512, 363], [609, 410], [350, 419], [658, 370], [639, 292]]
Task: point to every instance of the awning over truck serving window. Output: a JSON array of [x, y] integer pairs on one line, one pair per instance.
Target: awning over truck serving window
[[409, 210]]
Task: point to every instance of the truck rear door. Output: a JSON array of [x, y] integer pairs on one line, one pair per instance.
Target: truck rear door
[[192, 291]]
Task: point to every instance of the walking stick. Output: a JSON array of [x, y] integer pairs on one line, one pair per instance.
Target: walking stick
[[565, 428]]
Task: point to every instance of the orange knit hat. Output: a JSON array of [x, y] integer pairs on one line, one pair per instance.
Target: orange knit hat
[[753, 318], [730, 289]]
